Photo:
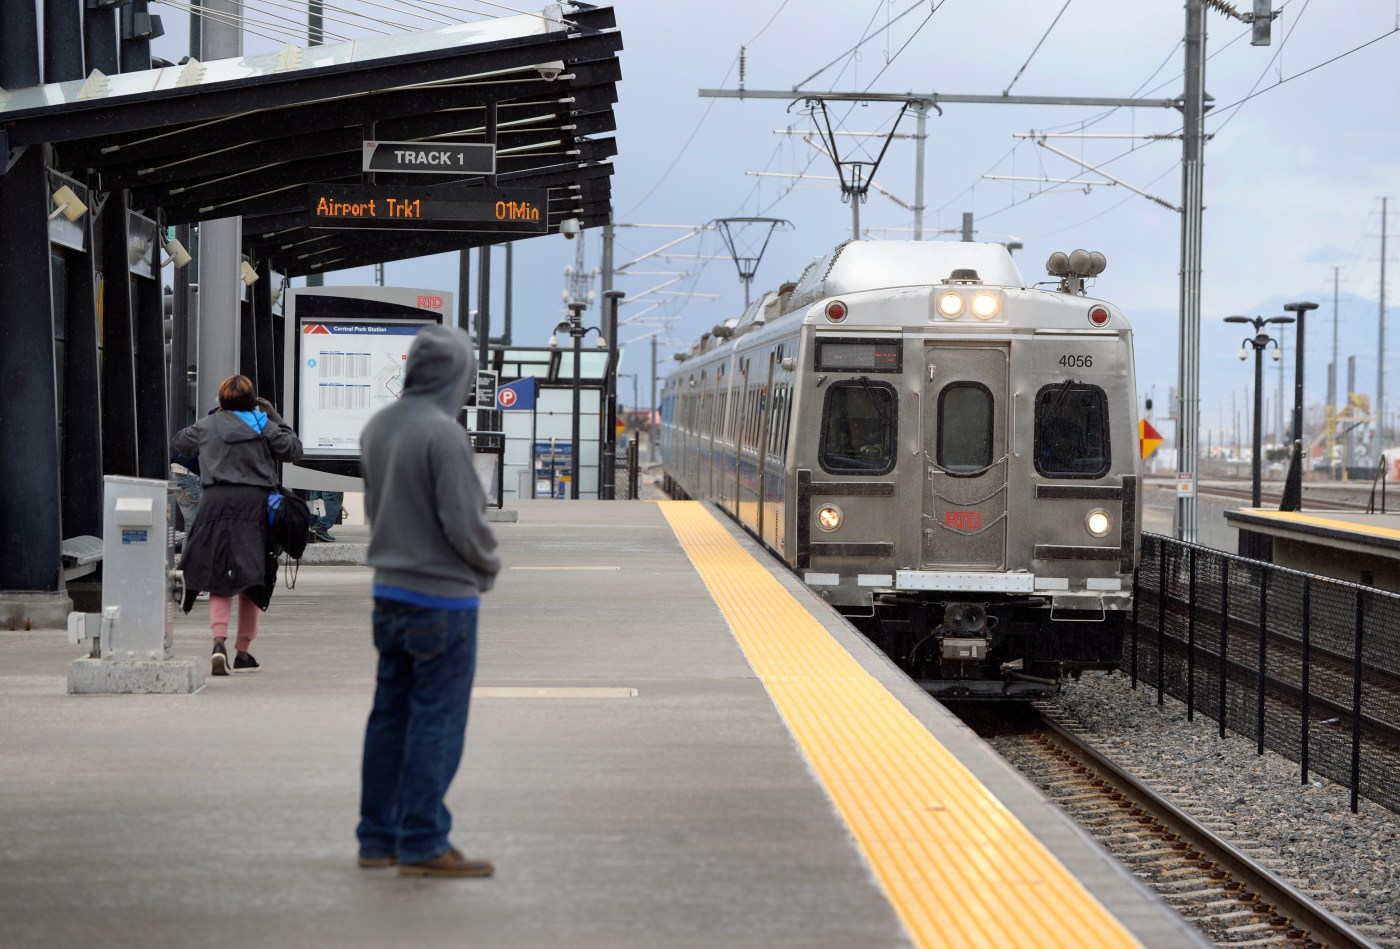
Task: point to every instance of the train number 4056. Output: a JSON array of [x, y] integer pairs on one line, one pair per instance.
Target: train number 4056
[[1076, 361]]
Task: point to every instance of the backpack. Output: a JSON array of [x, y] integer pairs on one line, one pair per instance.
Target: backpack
[[288, 522]]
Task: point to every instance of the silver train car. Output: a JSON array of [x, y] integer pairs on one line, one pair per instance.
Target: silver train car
[[948, 456]]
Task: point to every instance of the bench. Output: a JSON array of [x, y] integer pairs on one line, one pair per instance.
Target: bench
[[81, 555]]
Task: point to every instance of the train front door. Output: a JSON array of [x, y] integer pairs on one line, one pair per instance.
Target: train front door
[[965, 457]]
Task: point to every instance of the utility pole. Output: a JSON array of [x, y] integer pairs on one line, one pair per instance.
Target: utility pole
[[1333, 409], [920, 139], [1189, 367], [1380, 354]]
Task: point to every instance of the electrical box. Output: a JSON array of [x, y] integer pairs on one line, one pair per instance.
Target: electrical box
[[138, 568]]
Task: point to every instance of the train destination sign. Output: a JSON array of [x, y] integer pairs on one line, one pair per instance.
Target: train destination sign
[[427, 158], [388, 208]]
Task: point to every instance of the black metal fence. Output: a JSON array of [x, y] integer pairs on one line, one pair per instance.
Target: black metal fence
[[627, 473], [1307, 665]]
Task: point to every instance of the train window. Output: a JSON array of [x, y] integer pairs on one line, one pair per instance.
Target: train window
[[965, 428], [858, 427], [1071, 431]]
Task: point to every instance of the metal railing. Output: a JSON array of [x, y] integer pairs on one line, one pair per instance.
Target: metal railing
[[627, 473], [1307, 665]]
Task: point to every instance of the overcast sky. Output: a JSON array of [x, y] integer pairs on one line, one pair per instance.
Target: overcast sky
[[1305, 143]]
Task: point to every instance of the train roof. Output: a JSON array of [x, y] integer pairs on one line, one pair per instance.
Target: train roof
[[880, 265]]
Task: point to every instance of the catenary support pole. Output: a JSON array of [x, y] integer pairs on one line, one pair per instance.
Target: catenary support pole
[[1188, 373]]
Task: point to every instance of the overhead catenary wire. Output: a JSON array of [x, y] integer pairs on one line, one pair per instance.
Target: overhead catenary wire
[[1041, 42]]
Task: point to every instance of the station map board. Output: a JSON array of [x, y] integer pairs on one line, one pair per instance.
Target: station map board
[[348, 355]]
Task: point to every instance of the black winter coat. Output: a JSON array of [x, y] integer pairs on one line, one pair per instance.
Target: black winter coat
[[230, 550]]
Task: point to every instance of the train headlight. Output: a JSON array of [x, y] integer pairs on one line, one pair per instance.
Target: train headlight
[[1098, 523], [829, 517], [986, 306], [951, 305]]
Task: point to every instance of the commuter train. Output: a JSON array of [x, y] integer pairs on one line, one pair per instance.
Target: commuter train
[[946, 455]]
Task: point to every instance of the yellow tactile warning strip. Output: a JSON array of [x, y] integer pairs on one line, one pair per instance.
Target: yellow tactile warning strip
[[1351, 527], [958, 867]]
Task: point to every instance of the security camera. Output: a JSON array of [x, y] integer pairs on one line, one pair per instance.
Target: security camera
[[550, 71], [569, 227]]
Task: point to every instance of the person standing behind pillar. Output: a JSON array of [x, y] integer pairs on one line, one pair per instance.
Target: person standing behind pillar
[[322, 523], [230, 552], [433, 554]]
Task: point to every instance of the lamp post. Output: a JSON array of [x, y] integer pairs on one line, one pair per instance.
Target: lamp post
[[577, 331], [1293, 490], [1260, 341]]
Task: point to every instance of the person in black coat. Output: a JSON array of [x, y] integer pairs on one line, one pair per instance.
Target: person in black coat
[[230, 553]]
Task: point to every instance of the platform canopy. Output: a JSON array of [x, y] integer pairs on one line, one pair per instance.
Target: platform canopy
[[249, 137]]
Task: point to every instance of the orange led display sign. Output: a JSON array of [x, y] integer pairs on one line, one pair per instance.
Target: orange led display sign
[[390, 208]]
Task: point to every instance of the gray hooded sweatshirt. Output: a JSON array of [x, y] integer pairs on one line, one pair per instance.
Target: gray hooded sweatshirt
[[426, 509]]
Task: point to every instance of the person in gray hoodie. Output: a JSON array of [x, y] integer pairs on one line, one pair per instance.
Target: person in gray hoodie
[[433, 554]]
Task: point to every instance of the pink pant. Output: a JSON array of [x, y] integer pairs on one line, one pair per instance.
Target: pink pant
[[221, 608]]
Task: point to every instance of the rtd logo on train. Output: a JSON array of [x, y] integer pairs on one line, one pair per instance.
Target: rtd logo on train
[[963, 520]]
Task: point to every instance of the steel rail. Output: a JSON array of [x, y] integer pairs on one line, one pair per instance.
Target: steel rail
[[1318, 923]]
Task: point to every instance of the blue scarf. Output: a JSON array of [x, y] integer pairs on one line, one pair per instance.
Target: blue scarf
[[256, 419]]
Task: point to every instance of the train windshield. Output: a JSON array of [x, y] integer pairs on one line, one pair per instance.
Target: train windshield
[[858, 427], [965, 428], [1071, 431]]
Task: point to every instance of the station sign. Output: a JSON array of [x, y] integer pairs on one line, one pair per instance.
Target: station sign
[[389, 208], [486, 380], [427, 158]]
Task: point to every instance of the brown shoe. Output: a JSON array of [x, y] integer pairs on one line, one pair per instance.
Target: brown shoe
[[377, 863], [448, 864]]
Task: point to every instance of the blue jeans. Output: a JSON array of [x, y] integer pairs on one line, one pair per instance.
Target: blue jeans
[[188, 494], [333, 500], [413, 742]]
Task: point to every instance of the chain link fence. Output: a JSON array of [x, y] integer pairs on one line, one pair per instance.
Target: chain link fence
[[1306, 665]]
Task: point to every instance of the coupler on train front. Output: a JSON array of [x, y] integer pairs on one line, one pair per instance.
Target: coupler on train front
[[1007, 648]]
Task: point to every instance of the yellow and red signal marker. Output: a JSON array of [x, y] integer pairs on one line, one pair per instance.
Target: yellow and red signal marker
[[1148, 438]]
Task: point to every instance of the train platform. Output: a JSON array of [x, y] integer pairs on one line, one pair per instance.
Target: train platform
[[1347, 545], [671, 744]]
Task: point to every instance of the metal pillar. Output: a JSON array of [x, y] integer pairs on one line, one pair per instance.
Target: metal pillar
[[30, 527], [483, 322], [180, 409], [118, 343], [63, 40], [82, 404], [266, 379], [100, 39], [1380, 353], [1188, 372], [135, 45], [920, 138], [220, 241], [1293, 490], [607, 461], [612, 299], [152, 413], [652, 426]]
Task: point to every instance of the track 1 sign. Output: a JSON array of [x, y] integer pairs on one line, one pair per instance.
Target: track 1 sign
[[427, 158]]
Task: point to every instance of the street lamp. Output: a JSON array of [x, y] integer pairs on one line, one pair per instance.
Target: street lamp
[[1293, 490], [575, 328], [1260, 341]]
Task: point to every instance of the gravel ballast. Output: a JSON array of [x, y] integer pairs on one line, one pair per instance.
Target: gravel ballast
[[1304, 832]]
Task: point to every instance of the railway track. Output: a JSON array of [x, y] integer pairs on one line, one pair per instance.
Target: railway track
[[1233, 898]]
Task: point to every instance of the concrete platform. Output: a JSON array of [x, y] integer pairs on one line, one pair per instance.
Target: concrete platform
[[625, 769]]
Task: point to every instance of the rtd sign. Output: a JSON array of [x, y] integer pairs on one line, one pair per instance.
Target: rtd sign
[[429, 303]]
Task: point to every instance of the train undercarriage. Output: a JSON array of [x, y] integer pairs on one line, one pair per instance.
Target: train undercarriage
[[990, 649]]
